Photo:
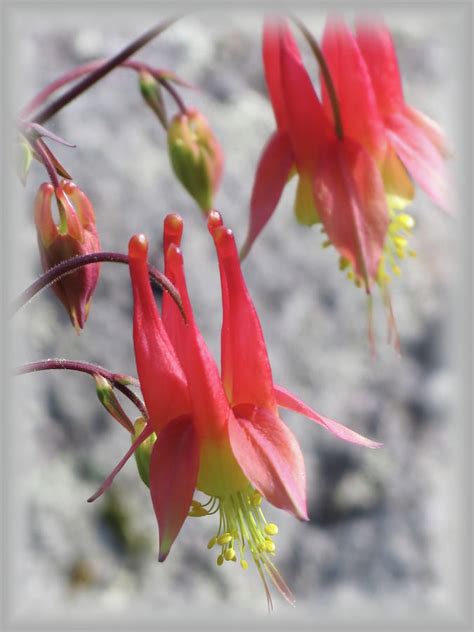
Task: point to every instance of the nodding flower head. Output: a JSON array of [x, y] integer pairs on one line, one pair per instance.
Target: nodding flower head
[[218, 434], [196, 156], [353, 151], [75, 234]]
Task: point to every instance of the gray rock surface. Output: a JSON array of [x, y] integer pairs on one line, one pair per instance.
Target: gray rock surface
[[379, 519]]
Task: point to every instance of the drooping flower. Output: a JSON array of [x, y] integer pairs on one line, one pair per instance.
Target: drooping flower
[[219, 434], [352, 151], [339, 182], [74, 235], [196, 156]]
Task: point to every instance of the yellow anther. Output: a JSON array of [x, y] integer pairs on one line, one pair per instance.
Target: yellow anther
[[400, 241], [224, 538], [270, 546], [326, 243], [412, 253], [396, 270], [343, 263], [198, 512], [244, 564], [256, 499], [212, 542], [271, 528], [195, 504], [230, 555], [220, 560], [350, 275], [406, 221]]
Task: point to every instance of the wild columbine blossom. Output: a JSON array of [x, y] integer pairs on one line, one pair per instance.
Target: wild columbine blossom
[[339, 182], [75, 235], [196, 156], [219, 434], [350, 150]]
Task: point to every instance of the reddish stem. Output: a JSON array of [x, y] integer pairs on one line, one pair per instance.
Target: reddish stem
[[67, 267], [90, 369], [80, 71], [318, 53], [100, 72], [173, 92], [38, 146]]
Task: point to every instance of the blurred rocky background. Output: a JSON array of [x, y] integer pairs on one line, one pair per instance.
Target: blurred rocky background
[[381, 523]]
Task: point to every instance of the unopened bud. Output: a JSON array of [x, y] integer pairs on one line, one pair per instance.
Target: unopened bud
[[109, 401], [151, 92], [74, 235], [196, 156], [143, 452]]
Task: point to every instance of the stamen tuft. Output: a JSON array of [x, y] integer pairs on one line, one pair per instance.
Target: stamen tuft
[[242, 529]]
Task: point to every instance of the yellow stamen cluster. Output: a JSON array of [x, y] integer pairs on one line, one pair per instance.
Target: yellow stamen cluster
[[396, 246], [395, 249], [243, 529]]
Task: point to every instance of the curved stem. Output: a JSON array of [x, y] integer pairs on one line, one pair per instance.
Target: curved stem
[[47, 162], [90, 369], [70, 265], [318, 53], [174, 93], [80, 71], [101, 71]]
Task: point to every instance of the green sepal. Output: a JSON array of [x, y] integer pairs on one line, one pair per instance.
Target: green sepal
[[143, 452], [109, 401]]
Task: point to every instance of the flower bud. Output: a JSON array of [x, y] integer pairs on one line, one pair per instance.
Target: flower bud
[[143, 452], [151, 92], [108, 399], [196, 156], [74, 235]]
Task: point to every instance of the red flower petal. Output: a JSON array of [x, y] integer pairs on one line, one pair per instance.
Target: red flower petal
[[431, 129], [162, 380], [272, 174], [270, 457], [174, 468], [361, 119], [209, 404], [246, 371], [274, 32], [285, 399], [172, 319], [351, 200], [420, 156], [308, 127], [376, 45]]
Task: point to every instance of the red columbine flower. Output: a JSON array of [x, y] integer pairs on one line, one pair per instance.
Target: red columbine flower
[[219, 434], [339, 181], [76, 234], [351, 150]]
